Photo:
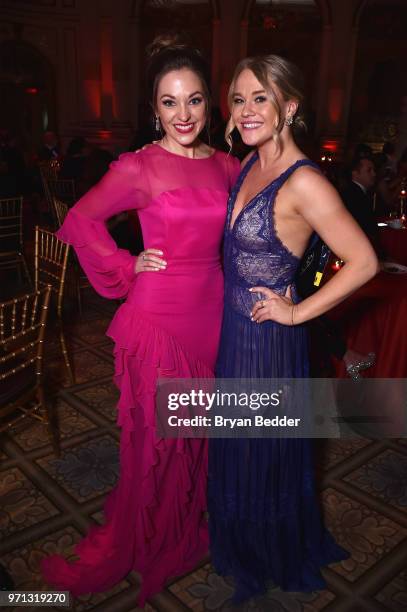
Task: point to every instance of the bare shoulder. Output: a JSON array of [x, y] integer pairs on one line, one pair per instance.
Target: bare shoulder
[[306, 175], [309, 183]]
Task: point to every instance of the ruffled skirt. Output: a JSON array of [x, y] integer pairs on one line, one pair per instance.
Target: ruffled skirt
[[154, 518]]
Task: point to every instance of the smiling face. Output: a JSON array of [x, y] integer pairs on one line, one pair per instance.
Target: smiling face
[[253, 112], [181, 107]]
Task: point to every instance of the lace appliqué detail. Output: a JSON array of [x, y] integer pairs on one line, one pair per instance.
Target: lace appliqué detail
[[253, 252]]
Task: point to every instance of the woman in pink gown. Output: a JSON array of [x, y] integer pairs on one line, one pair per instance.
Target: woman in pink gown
[[169, 326]]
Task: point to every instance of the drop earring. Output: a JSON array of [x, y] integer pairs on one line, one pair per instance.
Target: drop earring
[[157, 124], [289, 120]]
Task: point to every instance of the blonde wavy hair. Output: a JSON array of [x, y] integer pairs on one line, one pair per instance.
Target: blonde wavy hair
[[273, 72]]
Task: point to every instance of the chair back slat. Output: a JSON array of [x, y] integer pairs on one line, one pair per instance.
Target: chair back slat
[[49, 170], [34, 310], [13, 318], [11, 225], [11, 235], [63, 189], [48, 199], [61, 210], [51, 261], [22, 331], [24, 314]]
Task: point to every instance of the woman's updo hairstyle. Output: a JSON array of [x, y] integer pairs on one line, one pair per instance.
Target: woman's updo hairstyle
[[273, 71], [171, 52]]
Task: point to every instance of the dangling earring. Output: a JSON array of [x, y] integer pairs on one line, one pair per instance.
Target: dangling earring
[[157, 124], [289, 120]]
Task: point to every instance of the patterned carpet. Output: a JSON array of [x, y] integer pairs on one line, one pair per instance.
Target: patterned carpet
[[47, 503]]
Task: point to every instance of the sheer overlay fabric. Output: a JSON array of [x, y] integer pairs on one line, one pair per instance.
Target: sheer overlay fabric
[[169, 326], [264, 518]]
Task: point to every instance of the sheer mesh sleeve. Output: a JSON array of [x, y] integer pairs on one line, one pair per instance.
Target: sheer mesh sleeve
[[109, 269]]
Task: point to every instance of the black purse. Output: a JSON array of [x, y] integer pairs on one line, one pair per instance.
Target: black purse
[[312, 267]]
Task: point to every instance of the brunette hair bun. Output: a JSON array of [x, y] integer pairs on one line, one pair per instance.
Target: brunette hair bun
[[165, 42], [170, 52]]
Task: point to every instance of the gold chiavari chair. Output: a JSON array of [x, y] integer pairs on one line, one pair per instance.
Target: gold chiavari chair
[[61, 210], [49, 172], [51, 262], [80, 281], [22, 331], [63, 189], [49, 201], [11, 235], [76, 279]]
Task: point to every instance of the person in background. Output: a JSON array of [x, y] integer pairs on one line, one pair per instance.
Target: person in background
[[50, 148], [386, 170], [362, 151], [399, 182], [357, 196], [13, 181], [389, 158], [73, 164]]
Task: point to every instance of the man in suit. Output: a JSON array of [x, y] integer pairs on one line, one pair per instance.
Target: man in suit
[[357, 198], [49, 150]]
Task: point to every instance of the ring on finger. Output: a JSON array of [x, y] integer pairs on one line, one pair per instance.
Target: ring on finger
[[143, 256]]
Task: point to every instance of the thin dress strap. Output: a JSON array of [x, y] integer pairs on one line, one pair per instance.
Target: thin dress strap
[[280, 180], [277, 182], [244, 171], [273, 186]]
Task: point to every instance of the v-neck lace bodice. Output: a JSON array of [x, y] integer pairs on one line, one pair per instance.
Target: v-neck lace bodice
[[254, 253]]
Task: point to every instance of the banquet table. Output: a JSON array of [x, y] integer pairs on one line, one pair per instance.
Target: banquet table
[[393, 243], [374, 319]]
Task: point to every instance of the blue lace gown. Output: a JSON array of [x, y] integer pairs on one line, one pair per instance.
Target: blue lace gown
[[264, 519]]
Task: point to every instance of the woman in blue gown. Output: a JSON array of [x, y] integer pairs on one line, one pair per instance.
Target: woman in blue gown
[[264, 518]]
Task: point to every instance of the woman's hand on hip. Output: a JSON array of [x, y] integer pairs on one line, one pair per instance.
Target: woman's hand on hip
[[150, 261], [273, 307]]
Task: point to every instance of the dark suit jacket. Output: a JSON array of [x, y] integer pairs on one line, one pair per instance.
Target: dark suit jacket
[[360, 207], [46, 154]]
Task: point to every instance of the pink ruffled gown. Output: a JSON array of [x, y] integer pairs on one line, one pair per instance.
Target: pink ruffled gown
[[168, 326]]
